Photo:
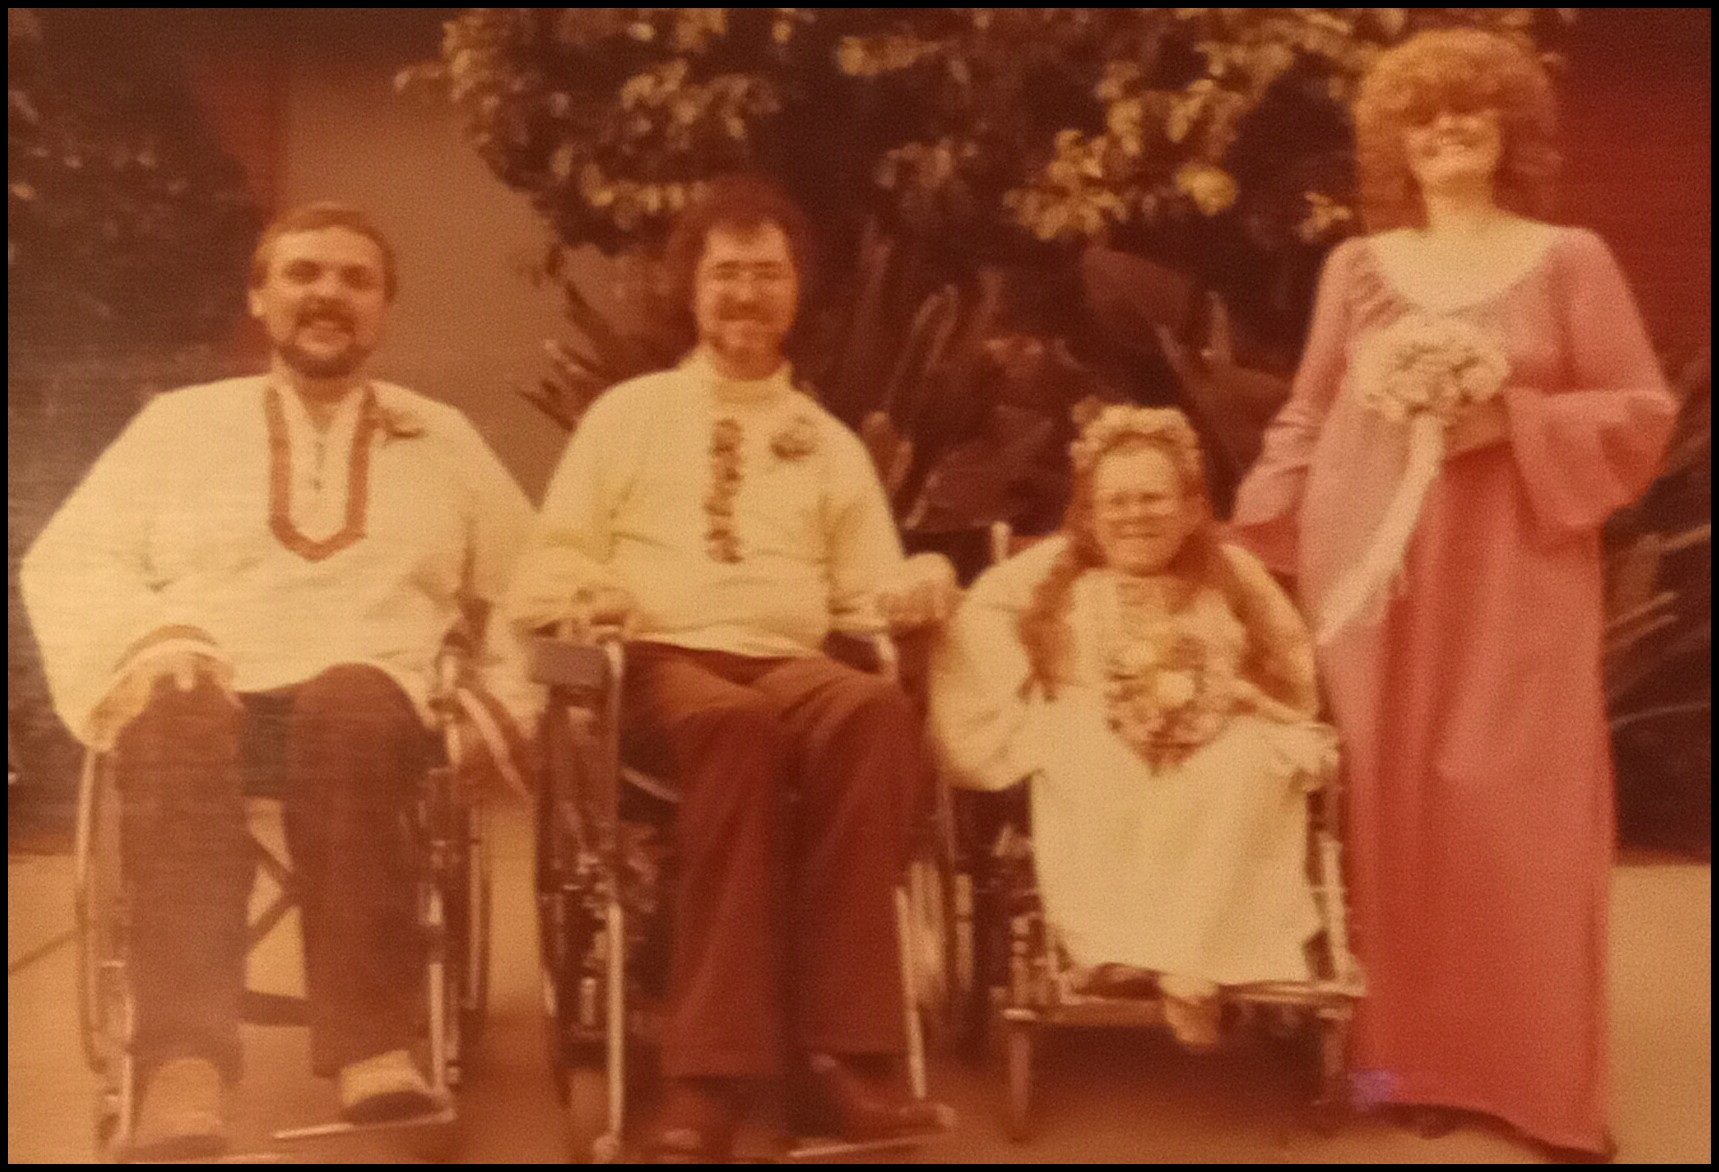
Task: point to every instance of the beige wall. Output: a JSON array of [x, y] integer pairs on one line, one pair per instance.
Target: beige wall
[[468, 327]]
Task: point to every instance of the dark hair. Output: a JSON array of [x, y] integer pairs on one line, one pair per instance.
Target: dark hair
[[744, 201], [312, 217]]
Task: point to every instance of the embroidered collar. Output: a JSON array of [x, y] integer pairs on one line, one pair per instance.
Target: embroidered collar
[[370, 418]]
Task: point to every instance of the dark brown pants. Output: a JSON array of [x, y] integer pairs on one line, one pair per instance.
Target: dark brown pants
[[785, 918], [345, 751]]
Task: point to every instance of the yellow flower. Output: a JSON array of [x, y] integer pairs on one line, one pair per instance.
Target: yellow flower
[[1211, 188]]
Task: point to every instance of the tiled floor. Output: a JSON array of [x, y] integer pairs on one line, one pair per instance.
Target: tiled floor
[[1101, 1097]]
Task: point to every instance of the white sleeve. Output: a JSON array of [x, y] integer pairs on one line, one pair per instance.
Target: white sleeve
[[979, 673], [87, 583], [865, 548], [498, 526], [573, 540]]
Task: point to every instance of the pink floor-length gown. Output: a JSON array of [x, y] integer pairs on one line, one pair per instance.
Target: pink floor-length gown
[[1472, 716]]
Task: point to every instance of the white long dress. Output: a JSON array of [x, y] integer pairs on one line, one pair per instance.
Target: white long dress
[[1196, 868]]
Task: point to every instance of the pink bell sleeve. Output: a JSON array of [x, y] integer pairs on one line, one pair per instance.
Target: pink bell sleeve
[[1267, 511], [1585, 451]]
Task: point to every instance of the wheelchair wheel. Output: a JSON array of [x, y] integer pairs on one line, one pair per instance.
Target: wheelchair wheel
[[1019, 1042], [584, 1088], [1331, 1106], [475, 928], [940, 933], [99, 900]]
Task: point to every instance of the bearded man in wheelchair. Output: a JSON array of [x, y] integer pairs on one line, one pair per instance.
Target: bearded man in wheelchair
[[726, 520], [249, 594]]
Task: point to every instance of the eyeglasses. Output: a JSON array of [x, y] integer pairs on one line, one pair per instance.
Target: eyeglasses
[[1420, 114], [734, 273]]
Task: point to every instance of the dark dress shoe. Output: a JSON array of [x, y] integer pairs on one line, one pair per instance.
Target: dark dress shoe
[[697, 1124], [858, 1100], [1559, 1155]]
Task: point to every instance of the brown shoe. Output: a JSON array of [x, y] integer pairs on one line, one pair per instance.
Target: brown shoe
[[858, 1100], [697, 1124]]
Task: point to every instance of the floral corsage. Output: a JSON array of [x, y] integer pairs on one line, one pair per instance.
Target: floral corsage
[[797, 440], [398, 423], [1166, 696]]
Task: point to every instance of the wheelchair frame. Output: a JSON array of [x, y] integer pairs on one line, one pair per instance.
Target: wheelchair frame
[[1034, 989], [583, 895], [453, 912]]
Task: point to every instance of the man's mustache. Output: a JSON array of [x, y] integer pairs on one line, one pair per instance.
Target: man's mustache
[[325, 313]]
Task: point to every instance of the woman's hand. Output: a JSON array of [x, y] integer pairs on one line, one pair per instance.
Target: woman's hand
[[605, 608], [1480, 426], [921, 593]]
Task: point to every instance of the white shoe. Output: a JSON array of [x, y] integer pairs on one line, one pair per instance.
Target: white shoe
[[1192, 1010], [387, 1086], [181, 1116]]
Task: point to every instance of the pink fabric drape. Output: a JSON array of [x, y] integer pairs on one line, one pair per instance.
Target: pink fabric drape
[[1471, 713]]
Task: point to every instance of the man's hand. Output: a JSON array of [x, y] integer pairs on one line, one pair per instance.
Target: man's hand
[[605, 607], [922, 592], [1481, 425], [130, 696]]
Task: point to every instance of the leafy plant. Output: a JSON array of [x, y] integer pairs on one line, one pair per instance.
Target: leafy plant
[[1659, 635], [1211, 140], [127, 225]]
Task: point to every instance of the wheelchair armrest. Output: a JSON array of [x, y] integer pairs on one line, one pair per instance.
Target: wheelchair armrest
[[582, 669]]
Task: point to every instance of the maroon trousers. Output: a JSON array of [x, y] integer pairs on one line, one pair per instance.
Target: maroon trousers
[[797, 780], [346, 750]]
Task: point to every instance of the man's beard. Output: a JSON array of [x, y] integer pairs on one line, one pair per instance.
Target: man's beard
[[323, 365]]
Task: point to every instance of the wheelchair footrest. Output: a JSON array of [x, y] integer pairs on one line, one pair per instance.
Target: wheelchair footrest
[[442, 1117], [815, 1149]]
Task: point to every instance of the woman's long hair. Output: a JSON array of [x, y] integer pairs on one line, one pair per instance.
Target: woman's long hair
[[1043, 626], [1461, 69]]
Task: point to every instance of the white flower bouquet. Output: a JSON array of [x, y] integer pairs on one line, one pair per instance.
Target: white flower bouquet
[[1422, 372], [1421, 365]]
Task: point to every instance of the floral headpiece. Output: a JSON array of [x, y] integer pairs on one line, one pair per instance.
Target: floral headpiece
[[1163, 425]]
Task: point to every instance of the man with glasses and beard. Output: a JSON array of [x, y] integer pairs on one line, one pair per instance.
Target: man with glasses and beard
[[727, 521], [249, 592]]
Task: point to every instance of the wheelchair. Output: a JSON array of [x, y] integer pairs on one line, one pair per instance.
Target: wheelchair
[[1025, 979], [602, 866], [453, 912]]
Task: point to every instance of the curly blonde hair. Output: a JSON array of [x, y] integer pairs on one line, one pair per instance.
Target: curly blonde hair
[[1043, 626], [1460, 69]]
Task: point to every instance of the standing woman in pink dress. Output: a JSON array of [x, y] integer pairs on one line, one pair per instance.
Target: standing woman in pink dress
[[1477, 395]]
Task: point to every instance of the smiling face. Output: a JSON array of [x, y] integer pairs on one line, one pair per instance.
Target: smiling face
[[745, 295], [1449, 148], [1140, 510], [321, 301]]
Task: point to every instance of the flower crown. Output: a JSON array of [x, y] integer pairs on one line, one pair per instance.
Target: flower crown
[[1114, 424]]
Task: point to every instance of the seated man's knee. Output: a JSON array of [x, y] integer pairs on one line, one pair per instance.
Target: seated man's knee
[[875, 704], [746, 722], [194, 724], [358, 698], [740, 740]]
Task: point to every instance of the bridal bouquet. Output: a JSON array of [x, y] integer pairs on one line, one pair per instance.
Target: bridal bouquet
[[1422, 366], [1167, 694], [1422, 372]]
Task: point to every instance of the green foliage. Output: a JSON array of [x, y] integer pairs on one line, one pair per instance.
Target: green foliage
[[127, 225], [987, 127]]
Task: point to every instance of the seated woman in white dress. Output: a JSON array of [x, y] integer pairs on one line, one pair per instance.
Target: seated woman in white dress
[[1159, 689]]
